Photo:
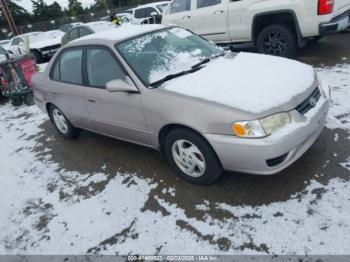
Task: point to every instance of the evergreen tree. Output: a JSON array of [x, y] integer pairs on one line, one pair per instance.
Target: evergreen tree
[[75, 8]]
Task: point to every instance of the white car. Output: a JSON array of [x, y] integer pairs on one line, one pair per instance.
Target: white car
[[41, 45], [142, 13], [276, 27]]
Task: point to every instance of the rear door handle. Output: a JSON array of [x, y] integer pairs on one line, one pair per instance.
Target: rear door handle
[[186, 17], [54, 93], [91, 100]]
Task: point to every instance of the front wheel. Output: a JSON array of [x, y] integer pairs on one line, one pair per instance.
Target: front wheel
[[192, 157], [277, 40], [62, 124]]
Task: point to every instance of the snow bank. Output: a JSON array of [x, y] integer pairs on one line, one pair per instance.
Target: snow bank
[[250, 82], [338, 78]]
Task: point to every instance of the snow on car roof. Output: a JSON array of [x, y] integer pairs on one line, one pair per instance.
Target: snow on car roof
[[121, 33], [101, 26], [153, 4]]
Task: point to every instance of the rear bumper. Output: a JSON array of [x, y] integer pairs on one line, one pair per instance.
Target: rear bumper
[[337, 24], [269, 155]]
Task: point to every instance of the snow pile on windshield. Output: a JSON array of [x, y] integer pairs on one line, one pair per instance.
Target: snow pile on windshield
[[250, 82]]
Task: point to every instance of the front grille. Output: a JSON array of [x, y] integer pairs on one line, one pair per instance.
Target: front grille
[[48, 48], [276, 161], [310, 102]]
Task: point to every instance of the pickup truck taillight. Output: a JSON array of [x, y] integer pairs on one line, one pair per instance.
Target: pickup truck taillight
[[325, 7]]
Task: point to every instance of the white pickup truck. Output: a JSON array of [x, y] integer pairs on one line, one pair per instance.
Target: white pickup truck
[[276, 27]]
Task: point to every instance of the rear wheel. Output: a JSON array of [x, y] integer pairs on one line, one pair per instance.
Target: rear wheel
[[192, 157], [278, 40], [62, 124]]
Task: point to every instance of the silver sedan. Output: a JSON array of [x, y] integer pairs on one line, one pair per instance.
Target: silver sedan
[[204, 109]]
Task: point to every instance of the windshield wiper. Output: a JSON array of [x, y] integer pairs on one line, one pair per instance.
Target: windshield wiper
[[194, 68], [202, 62], [166, 78]]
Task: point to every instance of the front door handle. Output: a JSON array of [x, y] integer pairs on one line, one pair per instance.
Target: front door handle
[[218, 12], [91, 100], [186, 17]]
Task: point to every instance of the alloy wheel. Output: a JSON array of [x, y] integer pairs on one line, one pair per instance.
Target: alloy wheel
[[188, 158]]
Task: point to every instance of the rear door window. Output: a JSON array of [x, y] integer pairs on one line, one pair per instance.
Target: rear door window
[[180, 6], [83, 32], [68, 67], [74, 34]]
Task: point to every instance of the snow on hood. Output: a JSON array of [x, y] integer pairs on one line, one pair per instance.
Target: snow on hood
[[249, 82], [45, 43]]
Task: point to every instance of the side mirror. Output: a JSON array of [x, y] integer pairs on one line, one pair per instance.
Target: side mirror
[[118, 85], [154, 13]]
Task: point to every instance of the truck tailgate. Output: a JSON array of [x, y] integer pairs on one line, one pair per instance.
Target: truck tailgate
[[341, 6]]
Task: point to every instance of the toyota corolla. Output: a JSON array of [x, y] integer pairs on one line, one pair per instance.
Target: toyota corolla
[[204, 109]]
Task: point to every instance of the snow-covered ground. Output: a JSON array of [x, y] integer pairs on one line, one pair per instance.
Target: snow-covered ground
[[42, 211]]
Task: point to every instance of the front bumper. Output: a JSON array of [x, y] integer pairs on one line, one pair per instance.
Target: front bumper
[[337, 24], [254, 155]]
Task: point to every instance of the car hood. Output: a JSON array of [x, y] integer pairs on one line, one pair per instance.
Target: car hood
[[248, 82], [45, 43]]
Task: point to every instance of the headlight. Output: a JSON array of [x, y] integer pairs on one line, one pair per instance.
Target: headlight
[[262, 127], [248, 129], [275, 122]]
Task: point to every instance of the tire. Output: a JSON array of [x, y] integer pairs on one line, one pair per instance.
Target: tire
[[28, 99], [38, 57], [199, 155], [64, 128], [278, 40], [17, 100]]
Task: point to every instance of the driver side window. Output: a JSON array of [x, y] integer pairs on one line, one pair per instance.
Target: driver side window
[[102, 67]]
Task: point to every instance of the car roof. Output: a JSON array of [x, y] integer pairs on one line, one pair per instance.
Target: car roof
[[118, 34], [153, 4]]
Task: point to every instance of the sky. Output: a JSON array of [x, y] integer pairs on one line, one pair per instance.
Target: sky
[[27, 4]]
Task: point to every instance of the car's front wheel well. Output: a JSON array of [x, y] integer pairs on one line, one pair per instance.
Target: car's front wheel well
[[47, 106], [165, 130]]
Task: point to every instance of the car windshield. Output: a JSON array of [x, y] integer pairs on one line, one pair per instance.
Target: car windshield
[[157, 55]]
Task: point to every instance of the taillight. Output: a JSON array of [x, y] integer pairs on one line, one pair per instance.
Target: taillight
[[325, 7]]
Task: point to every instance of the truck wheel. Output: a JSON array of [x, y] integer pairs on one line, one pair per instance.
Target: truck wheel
[[62, 124], [278, 40], [37, 56], [192, 157]]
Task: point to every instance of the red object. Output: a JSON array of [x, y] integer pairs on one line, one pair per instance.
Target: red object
[[325, 7], [29, 69]]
